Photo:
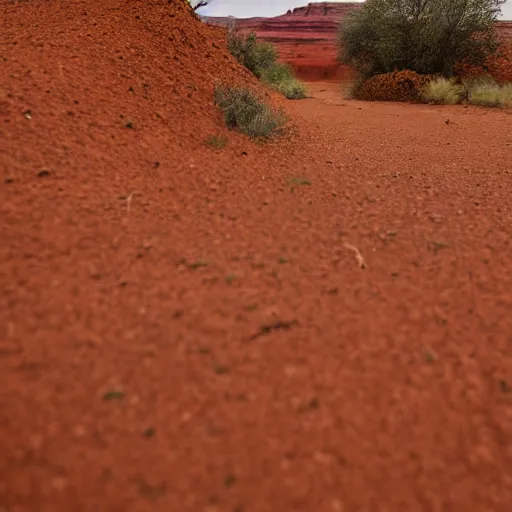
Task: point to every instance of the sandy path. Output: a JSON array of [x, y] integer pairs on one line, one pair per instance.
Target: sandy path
[[217, 346]]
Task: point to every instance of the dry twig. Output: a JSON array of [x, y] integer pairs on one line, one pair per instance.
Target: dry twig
[[359, 257]]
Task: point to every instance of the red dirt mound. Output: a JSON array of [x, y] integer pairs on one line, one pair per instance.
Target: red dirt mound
[[148, 68], [397, 86]]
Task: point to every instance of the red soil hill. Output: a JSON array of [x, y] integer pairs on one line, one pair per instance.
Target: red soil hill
[[151, 65], [104, 110]]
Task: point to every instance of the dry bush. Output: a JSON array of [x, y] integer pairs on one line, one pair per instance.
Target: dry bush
[[490, 95], [443, 91], [244, 110], [292, 89], [396, 86], [506, 91]]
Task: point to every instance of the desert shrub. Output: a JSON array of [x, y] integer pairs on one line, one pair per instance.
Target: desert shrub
[[426, 36], [244, 110], [255, 56], [472, 80], [292, 89], [261, 59], [281, 78], [278, 73], [397, 86], [490, 95], [265, 56], [506, 91], [443, 91]]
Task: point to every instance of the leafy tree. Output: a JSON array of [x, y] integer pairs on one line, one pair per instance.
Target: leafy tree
[[427, 36]]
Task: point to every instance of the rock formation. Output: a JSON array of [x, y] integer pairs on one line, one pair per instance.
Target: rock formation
[[306, 37]]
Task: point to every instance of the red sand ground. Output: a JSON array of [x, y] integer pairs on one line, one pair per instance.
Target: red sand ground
[[197, 334]]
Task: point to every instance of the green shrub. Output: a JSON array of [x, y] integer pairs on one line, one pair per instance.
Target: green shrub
[[261, 60], [292, 89], [255, 56], [428, 37], [281, 78], [443, 91], [265, 56], [244, 110], [490, 95], [277, 73]]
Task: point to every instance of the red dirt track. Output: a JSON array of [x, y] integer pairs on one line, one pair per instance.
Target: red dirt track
[[189, 329]]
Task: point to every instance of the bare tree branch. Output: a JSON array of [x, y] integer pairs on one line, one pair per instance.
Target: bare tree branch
[[201, 3]]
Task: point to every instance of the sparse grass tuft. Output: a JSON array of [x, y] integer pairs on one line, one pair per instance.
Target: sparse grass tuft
[[300, 181], [506, 99], [443, 91], [490, 95], [281, 78], [217, 141], [292, 89], [244, 110]]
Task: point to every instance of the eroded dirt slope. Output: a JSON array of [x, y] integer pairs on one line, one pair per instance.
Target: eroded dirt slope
[[184, 329]]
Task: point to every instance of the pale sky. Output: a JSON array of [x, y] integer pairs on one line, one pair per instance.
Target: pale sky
[[249, 8]]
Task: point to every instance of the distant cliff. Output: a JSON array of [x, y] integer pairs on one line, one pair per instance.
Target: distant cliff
[[306, 37], [324, 9]]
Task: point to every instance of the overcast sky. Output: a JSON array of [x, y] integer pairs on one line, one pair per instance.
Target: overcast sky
[[249, 8]]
